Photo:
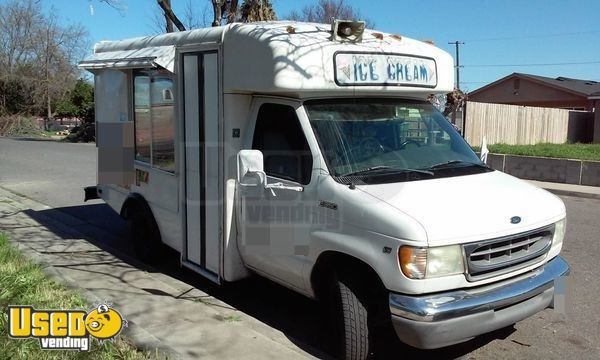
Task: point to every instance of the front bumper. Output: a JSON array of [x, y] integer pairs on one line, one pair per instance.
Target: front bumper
[[442, 319]]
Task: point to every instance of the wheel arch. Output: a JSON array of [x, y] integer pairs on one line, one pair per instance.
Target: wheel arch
[[331, 261], [138, 202], [134, 200]]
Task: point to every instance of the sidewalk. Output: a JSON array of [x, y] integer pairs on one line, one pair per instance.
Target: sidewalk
[[592, 192], [164, 313]]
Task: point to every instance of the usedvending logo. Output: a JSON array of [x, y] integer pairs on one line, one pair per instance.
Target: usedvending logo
[[65, 329]]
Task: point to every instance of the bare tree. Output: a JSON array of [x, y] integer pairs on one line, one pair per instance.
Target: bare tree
[[194, 16], [165, 5], [168, 21], [118, 5], [57, 49], [325, 10], [191, 18], [37, 57]]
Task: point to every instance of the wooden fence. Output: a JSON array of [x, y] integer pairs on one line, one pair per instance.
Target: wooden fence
[[515, 125]]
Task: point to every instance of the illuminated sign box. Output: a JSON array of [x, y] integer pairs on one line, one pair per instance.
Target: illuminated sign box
[[357, 68]]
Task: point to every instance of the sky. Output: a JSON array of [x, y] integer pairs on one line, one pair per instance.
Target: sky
[[541, 37]]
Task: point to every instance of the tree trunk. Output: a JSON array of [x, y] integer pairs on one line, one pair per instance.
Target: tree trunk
[[217, 12], [165, 5], [169, 23]]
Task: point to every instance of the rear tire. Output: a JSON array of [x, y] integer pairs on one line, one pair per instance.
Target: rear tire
[[145, 236]]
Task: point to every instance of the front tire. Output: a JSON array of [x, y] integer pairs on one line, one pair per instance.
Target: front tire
[[350, 316]]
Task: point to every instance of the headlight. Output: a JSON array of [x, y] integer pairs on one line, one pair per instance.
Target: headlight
[[559, 231], [419, 263]]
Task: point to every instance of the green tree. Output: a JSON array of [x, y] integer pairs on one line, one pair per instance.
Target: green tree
[[257, 10], [230, 11], [78, 103], [83, 98]]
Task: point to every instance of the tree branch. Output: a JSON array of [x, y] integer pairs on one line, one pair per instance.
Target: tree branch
[[169, 12]]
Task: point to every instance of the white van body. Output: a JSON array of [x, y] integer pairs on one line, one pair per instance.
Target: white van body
[[213, 201]]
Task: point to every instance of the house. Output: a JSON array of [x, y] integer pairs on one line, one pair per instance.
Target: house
[[541, 91]]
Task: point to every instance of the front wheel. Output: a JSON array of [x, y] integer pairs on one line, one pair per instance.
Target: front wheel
[[350, 317]]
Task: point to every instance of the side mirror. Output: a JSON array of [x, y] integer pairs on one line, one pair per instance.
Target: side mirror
[[250, 172], [250, 166]]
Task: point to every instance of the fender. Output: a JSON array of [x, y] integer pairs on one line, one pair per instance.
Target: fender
[[136, 199]]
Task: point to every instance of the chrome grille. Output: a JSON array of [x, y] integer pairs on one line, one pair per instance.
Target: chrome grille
[[498, 256]]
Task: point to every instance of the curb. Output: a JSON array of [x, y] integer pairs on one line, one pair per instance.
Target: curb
[[573, 193]]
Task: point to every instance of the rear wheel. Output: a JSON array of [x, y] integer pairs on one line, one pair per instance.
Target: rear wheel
[[145, 236]]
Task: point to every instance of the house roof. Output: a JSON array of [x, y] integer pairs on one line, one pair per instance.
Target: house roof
[[581, 87]]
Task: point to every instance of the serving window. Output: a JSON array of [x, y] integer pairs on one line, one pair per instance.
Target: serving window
[[154, 118]]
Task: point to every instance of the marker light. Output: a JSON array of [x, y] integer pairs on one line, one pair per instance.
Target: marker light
[[413, 261]]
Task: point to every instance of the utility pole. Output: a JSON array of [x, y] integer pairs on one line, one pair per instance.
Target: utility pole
[[457, 44], [456, 93]]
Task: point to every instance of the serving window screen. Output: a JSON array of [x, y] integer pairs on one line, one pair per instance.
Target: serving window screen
[[154, 118]]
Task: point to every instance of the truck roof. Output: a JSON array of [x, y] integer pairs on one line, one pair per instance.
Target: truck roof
[[294, 58]]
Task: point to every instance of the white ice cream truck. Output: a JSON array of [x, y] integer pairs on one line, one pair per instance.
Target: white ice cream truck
[[308, 154]]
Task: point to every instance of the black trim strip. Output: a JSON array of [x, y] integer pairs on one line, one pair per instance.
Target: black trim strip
[[184, 155], [202, 141]]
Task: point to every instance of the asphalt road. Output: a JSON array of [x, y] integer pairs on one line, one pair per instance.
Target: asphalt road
[[55, 173]]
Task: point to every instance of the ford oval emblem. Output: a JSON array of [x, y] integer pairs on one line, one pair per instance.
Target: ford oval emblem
[[515, 220]]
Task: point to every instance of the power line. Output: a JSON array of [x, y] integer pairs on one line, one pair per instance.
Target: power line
[[539, 64], [537, 36]]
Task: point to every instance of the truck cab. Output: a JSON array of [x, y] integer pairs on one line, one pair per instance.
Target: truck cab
[[309, 154]]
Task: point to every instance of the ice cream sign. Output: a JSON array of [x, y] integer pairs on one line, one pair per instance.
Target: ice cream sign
[[384, 69]]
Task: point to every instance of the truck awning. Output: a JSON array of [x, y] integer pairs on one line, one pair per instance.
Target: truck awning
[[163, 56]]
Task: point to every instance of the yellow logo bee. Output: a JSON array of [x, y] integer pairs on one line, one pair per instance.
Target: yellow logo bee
[[64, 329], [104, 322]]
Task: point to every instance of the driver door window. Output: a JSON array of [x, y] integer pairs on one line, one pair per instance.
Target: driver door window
[[279, 136]]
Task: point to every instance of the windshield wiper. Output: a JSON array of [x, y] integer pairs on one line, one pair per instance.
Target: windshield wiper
[[449, 164], [386, 169]]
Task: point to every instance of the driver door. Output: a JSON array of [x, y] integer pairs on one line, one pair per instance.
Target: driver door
[[275, 223]]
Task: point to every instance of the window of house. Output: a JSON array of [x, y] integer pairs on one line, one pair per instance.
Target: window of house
[[280, 138], [154, 118]]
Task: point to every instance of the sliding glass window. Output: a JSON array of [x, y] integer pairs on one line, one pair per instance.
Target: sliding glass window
[[154, 118]]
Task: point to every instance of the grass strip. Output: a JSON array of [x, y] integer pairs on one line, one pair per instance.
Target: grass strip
[[562, 151], [23, 282]]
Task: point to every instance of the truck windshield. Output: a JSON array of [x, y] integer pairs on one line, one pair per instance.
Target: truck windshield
[[389, 140]]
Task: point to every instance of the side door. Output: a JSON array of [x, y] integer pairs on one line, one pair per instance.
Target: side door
[[202, 221], [275, 223]]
